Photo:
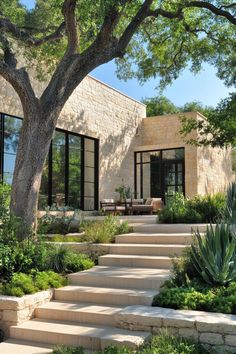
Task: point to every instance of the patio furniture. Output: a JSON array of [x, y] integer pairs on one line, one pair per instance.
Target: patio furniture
[[111, 206], [138, 206]]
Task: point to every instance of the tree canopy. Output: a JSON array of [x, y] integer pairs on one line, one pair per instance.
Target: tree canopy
[[64, 40], [154, 38]]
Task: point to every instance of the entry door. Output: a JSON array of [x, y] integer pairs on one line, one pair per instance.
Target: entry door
[[172, 179]]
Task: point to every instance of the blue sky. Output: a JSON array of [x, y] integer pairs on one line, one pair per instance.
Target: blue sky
[[204, 87]]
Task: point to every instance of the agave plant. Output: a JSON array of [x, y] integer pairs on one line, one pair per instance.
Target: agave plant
[[229, 215], [214, 255]]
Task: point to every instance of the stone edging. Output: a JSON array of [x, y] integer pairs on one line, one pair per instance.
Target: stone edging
[[15, 310], [214, 330]]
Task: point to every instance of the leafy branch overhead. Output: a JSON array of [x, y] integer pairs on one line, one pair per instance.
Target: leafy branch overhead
[[174, 33], [64, 40]]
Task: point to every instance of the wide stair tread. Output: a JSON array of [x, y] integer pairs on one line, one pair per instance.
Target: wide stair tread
[[78, 312], [154, 238], [17, 346], [147, 249], [146, 278], [69, 333], [161, 262], [105, 295]]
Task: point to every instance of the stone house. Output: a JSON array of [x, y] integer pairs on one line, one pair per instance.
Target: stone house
[[103, 140]]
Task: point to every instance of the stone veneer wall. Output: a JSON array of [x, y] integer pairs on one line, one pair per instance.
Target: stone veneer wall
[[214, 170], [207, 170], [16, 310], [162, 132], [96, 110]]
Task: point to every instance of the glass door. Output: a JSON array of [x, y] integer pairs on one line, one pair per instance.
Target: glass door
[[172, 179]]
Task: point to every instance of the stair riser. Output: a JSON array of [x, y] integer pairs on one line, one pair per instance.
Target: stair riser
[[117, 282], [56, 338], [145, 239], [147, 251], [135, 263], [112, 299], [168, 228], [75, 316]]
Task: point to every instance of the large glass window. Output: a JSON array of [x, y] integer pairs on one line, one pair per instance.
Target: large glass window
[[70, 174], [159, 173]]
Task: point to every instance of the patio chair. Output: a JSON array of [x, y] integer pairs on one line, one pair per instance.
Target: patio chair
[[138, 206], [110, 206]]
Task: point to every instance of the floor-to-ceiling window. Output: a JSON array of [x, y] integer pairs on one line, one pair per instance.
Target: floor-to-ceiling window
[[70, 174], [159, 173]]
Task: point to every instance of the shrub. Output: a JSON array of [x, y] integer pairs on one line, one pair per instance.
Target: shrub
[[209, 207], [104, 231], [214, 258], [220, 299], [21, 284], [58, 224], [63, 260], [197, 210]]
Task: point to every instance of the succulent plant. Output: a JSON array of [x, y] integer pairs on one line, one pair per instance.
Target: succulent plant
[[214, 255]]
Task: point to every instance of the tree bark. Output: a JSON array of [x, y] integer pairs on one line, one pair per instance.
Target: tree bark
[[35, 138]]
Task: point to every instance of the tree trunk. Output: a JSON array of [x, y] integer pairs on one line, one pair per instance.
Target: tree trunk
[[35, 138]]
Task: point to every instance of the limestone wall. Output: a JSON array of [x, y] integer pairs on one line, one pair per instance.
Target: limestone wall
[[16, 310], [96, 110], [214, 170], [162, 132], [215, 331], [207, 170]]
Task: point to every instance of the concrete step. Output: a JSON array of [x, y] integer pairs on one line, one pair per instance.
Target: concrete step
[[146, 249], [69, 333], [121, 260], [108, 296], [168, 228], [78, 312], [121, 277], [142, 238], [17, 346]]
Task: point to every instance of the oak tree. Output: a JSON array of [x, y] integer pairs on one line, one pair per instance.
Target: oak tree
[[64, 40]]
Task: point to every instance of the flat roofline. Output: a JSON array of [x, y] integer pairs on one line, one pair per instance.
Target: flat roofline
[[179, 114], [114, 89]]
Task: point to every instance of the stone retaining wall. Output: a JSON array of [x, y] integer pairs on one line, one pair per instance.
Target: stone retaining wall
[[15, 310], [215, 331]]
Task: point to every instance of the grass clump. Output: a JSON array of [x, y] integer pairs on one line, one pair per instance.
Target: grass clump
[[105, 231], [63, 260], [162, 344]]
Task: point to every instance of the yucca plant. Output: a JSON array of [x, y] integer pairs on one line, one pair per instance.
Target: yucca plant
[[229, 215], [214, 255]]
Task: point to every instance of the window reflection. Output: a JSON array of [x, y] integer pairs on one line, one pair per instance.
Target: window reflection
[[69, 172]]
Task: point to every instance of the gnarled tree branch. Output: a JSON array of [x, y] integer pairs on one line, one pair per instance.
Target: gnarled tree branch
[[22, 35], [219, 11], [68, 11]]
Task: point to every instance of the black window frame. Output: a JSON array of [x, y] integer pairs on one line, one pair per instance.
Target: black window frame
[[161, 163], [50, 164]]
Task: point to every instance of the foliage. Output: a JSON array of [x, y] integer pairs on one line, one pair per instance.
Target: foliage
[[219, 129], [215, 255], [58, 224], [21, 284], [124, 191], [198, 297], [197, 210], [63, 260], [105, 231], [229, 214], [161, 105], [162, 344]]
